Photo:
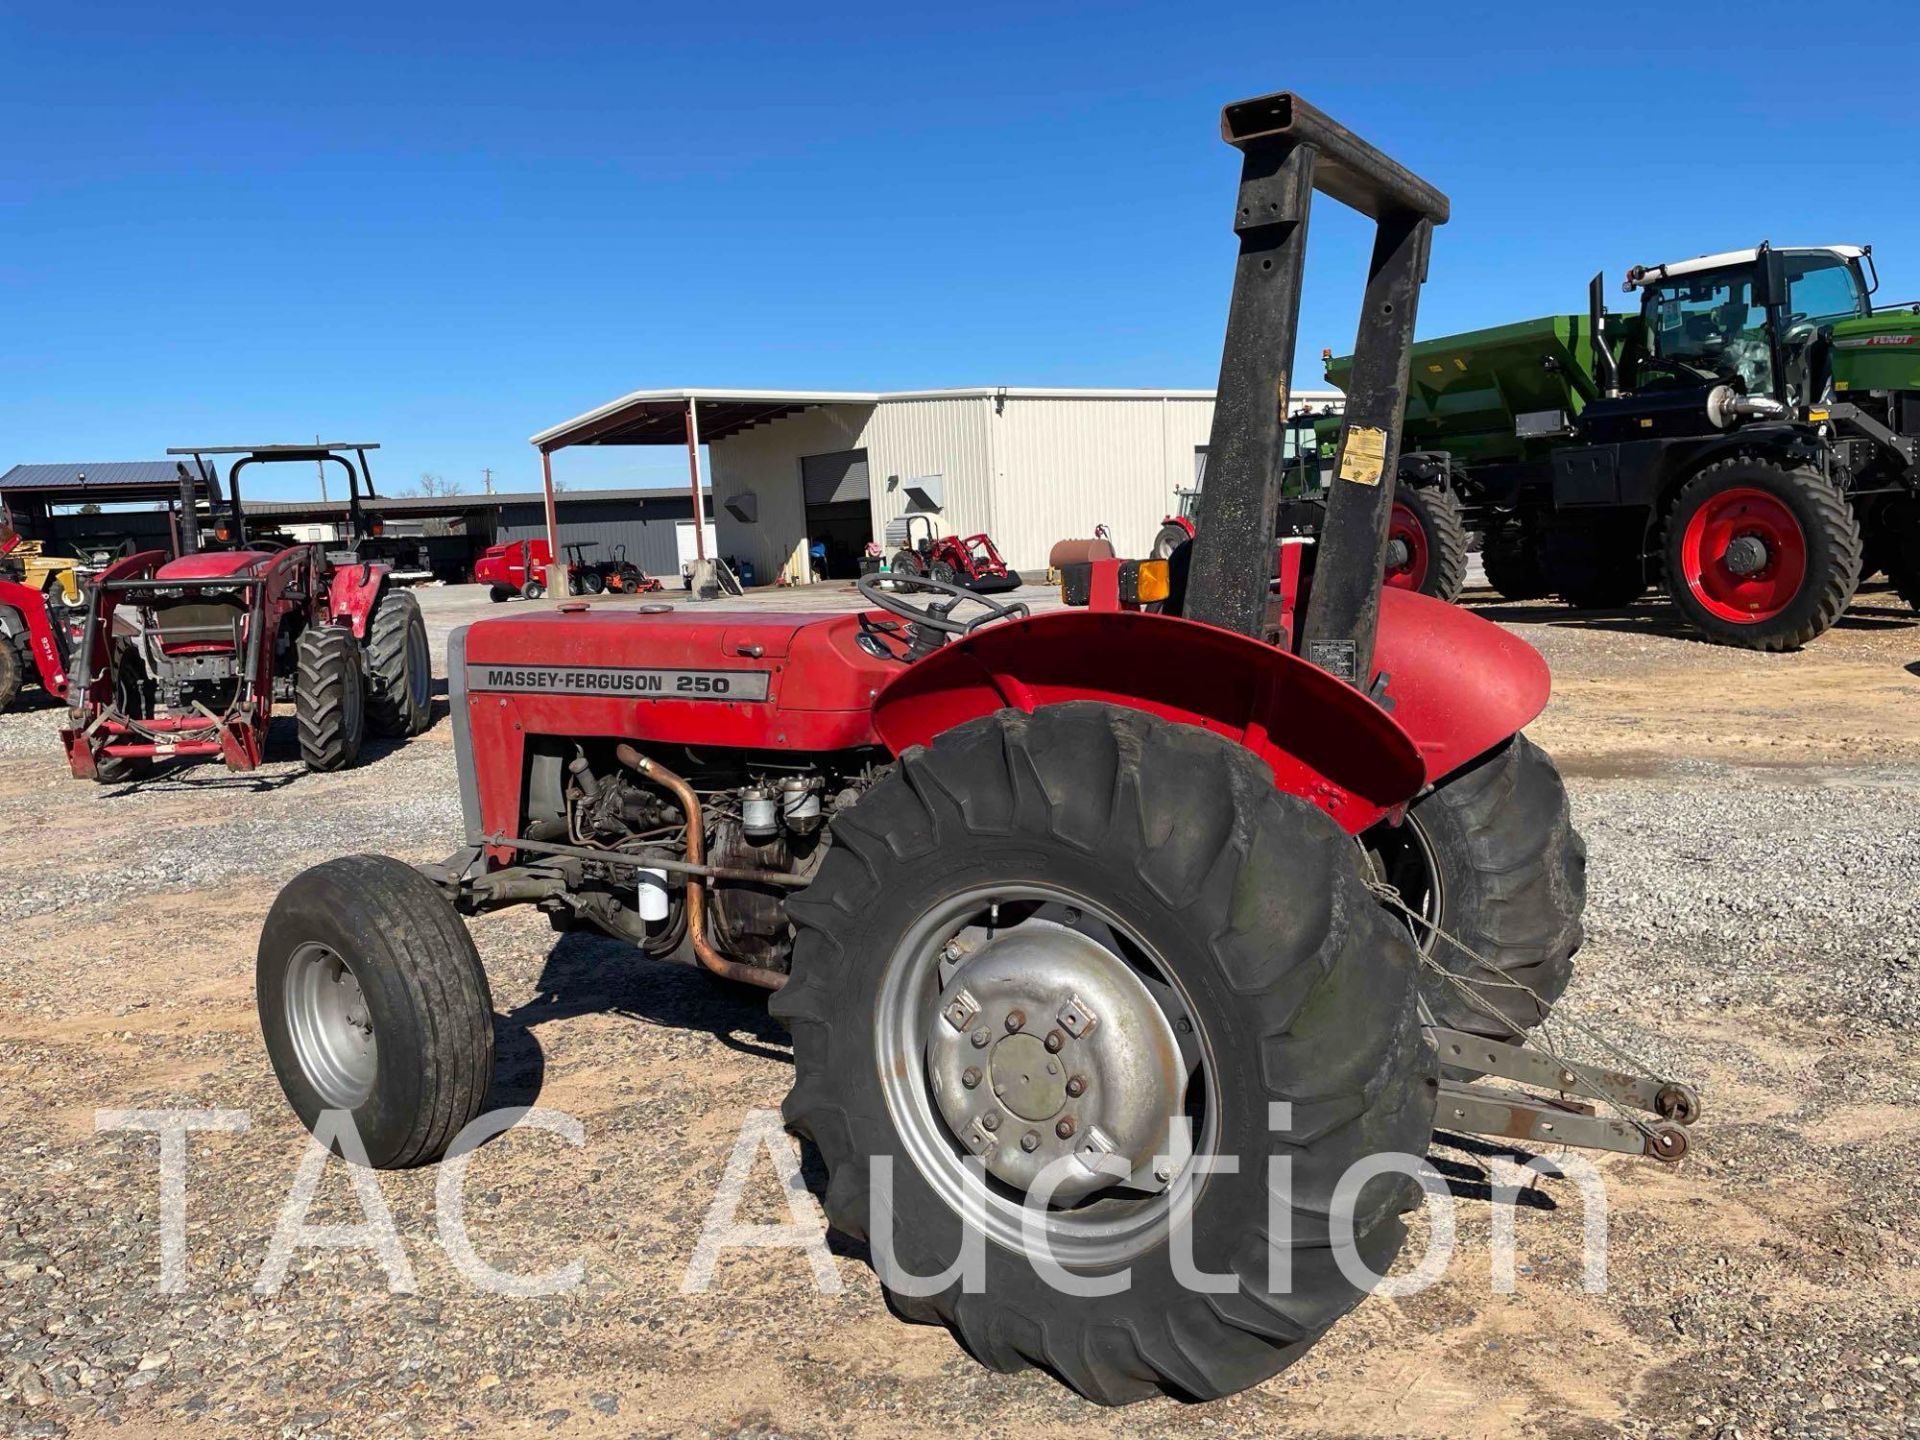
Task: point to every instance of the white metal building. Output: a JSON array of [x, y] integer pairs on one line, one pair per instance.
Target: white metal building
[[791, 469]]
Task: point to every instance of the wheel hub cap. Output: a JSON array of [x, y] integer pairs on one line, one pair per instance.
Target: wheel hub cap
[[1045, 1046], [1747, 555], [331, 1026]]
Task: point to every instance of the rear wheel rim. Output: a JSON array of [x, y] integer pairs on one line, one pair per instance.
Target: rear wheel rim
[[1110, 1225], [1405, 527], [1743, 513], [330, 1026]]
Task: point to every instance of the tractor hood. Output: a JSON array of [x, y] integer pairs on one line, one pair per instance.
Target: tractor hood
[[214, 565], [1877, 352]]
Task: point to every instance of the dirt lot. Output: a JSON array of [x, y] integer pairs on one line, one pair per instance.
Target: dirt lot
[[1754, 825]]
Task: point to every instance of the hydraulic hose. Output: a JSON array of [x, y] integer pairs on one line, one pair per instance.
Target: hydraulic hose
[[697, 886]]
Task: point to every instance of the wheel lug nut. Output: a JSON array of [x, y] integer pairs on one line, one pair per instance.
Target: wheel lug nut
[[972, 1077], [990, 1122], [1077, 1086], [1016, 1020], [982, 1038], [1065, 1128], [1054, 1041], [1030, 1141]]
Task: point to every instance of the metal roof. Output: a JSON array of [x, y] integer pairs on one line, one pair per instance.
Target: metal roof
[[454, 504], [104, 475], [659, 417], [1654, 274]]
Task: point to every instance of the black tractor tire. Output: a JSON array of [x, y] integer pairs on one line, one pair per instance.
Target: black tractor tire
[[593, 582], [1490, 857], [399, 668], [1440, 516], [1897, 532], [1598, 568], [500, 594], [943, 572], [1169, 539], [329, 697], [906, 562], [533, 589], [1253, 904], [1829, 531], [12, 673], [1512, 563], [375, 923]]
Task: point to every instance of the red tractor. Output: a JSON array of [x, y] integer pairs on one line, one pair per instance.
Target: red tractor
[[37, 625], [184, 658], [972, 561], [1081, 920]]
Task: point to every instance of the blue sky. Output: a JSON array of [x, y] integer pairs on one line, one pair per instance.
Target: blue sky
[[446, 227]]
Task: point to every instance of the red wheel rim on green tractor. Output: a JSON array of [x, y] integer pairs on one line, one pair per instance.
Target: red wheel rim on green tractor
[[1744, 556], [1406, 530]]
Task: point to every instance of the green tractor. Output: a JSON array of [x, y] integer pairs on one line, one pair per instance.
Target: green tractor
[[1749, 437]]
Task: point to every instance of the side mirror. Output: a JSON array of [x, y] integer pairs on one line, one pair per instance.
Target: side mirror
[[1770, 279]]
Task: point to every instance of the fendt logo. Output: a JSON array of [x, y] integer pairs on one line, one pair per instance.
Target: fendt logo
[[619, 681], [1865, 341]]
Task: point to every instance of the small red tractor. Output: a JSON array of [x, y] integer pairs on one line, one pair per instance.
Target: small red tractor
[[972, 561], [39, 615], [1080, 920], [184, 658]]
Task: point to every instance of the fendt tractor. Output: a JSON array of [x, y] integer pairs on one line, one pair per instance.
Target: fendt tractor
[[1081, 921], [185, 657], [1749, 438]]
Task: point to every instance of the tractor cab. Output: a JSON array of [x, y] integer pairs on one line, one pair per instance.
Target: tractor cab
[[1752, 318]]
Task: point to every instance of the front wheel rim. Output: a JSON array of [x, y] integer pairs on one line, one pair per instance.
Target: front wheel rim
[[1405, 527], [1727, 528], [1110, 1224], [331, 1027]]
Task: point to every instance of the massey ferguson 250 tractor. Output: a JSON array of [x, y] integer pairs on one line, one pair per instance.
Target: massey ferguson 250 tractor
[[1078, 919], [185, 657]]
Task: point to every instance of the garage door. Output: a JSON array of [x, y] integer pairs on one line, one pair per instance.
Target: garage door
[[834, 479]]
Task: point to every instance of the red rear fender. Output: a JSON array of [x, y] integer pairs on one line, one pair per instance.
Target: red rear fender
[[1459, 685], [1323, 740], [352, 593]]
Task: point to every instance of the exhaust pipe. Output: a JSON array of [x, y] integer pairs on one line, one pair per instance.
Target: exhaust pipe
[[1603, 367], [189, 517]]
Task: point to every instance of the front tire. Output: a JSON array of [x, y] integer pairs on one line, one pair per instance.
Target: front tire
[[1761, 555], [399, 668], [12, 673], [533, 589], [1238, 907], [500, 594], [1427, 542], [372, 999], [1490, 857], [329, 697]]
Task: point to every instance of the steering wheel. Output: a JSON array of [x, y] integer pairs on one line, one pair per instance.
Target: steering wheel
[[939, 614]]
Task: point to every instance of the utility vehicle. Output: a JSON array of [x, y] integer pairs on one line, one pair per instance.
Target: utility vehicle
[[40, 605], [1061, 908], [184, 658]]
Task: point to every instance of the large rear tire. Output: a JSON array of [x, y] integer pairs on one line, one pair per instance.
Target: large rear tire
[[1490, 857], [373, 1000], [1427, 542], [1761, 555], [1239, 910], [399, 668], [329, 697]]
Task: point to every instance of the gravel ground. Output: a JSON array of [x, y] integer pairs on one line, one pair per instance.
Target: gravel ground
[[1754, 827]]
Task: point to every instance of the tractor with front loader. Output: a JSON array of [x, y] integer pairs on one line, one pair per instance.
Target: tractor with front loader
[[41, 602], [1085, 923], [1749, 437], [184, 657]]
